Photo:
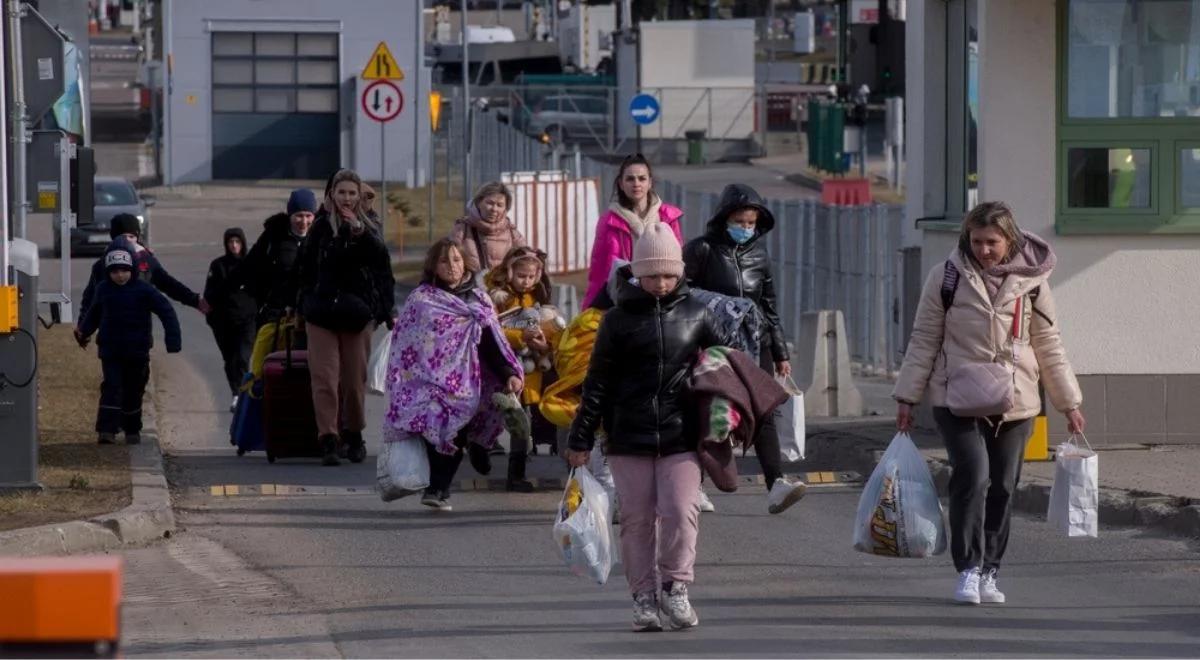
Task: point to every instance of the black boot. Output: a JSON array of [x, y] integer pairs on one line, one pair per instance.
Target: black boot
[[356, 449], [480, 460], [517, 483], [329, 444]]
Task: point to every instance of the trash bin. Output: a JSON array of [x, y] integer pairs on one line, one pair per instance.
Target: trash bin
[[695, 142]]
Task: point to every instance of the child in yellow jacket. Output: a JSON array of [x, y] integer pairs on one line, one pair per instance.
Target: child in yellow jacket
[[520, 289]]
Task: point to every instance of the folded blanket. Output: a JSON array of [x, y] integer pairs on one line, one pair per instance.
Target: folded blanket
[[739, 320]]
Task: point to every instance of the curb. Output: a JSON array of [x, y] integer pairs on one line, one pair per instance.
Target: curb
[[148, 517], [1173, 515]]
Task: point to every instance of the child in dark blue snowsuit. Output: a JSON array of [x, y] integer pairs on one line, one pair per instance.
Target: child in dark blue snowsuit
[[121, 309]]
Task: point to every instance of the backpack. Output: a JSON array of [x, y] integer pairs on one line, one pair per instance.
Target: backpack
[[950, 285]]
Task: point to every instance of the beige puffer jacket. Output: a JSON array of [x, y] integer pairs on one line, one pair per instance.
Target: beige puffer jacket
[[976, 330]]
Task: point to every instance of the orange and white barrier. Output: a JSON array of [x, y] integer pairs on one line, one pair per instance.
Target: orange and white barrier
[[556, 214]]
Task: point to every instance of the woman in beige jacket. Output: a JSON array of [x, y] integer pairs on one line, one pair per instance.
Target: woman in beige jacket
[[995, 271]]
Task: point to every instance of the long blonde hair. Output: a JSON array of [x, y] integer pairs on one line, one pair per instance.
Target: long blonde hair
[[361, 216]]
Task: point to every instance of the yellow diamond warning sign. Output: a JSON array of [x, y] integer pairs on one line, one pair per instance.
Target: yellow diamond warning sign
[[382, 66]]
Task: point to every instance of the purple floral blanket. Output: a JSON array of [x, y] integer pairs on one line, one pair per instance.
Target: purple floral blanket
[[436, 385]]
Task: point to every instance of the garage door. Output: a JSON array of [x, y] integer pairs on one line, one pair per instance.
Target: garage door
[[274, 105]]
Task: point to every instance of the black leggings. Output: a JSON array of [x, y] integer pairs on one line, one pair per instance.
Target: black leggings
[[986, 461], [766, 440]]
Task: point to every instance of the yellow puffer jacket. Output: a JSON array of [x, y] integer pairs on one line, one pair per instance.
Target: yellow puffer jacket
[[978, 330], [532, 395], [571, 357]]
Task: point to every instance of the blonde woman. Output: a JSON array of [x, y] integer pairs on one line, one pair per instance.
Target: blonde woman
[[346, 289], [987, 310]]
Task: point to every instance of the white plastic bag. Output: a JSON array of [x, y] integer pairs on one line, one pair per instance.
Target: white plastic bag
[[583, 528], [899, 514], [378, 365], [402, 468], [1075, 495], [790, 422]]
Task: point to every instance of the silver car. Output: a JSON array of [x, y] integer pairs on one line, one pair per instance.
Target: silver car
[[113, 196], [570, 116]]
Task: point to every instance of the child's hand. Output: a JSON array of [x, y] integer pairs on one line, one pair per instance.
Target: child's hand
[[80, 338], [578, 458], [514, 385], [538, 343]]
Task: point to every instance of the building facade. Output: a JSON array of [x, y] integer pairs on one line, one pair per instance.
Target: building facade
[[1083, 115], [272, 89]]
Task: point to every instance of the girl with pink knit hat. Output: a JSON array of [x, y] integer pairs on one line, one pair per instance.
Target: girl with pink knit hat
[[637, 387]]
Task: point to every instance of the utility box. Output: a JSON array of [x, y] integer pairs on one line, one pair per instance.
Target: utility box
[[18, 363]]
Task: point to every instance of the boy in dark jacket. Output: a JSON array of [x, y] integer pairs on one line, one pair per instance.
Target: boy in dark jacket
[[731, 258], [120, 309], [233, 311]]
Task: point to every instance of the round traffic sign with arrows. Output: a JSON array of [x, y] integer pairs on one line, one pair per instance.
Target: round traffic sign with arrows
[[382, 101]]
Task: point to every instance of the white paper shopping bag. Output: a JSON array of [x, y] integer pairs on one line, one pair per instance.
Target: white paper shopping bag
[[789, 422], [1075, 496]]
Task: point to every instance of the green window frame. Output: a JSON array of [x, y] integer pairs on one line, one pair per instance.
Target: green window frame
[[1164, 137]]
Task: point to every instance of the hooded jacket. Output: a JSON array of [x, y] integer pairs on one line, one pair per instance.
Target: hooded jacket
[[231, 301], [146, 267], [614, 240], [716, 263], [978, 328], [637, 380], [485, 243], [122, 314], [269, 270], [345, 277]]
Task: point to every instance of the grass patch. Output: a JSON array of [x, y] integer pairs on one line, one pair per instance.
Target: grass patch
[[81, 478], [407, 224]]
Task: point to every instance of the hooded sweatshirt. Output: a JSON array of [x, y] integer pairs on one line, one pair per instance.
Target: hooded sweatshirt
[[485, 243], [232, 302]]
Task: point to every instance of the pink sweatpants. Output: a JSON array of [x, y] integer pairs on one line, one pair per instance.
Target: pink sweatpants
[[660, 517]]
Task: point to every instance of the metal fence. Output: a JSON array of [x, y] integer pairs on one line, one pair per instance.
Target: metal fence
[[826, 257]]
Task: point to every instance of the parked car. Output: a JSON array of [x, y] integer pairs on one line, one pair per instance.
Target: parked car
[[570, 116], [113, 195]]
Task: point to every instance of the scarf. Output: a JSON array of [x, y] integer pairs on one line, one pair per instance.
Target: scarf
[[436, 384], [1034, 258], [496, 237], [637, 224]]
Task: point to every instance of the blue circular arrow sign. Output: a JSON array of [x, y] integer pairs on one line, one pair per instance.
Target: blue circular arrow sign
[[644, 109]]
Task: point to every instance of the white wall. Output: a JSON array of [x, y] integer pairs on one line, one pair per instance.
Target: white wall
[[1128, 304], [362, 24]]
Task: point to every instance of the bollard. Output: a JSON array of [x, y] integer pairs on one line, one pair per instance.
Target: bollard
[[822, 360], [60, 607], [1038, 446]]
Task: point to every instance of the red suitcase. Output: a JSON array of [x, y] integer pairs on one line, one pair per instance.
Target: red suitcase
[[289, 421]]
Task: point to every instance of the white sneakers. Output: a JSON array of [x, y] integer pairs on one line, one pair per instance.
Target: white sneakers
[[975, 587], [968, 587], [233, 405], [705, 504], [645, 613], [988, 591], [436, 502], [783, 494], [677, 612]]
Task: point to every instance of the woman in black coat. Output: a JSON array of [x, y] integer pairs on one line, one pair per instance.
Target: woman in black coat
[[731, 259]]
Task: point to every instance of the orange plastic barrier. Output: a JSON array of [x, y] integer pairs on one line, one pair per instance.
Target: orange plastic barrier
[[56, 600], [846, 192]]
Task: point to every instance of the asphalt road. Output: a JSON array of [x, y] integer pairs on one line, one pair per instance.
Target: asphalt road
[[339, 573]]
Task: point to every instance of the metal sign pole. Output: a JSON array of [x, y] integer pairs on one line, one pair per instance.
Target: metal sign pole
[[4, 215], [383, 174], [466, 75], [20, 137]]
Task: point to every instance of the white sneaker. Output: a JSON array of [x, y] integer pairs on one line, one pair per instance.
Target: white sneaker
[[677, 611], [233, 405], [783, 494], [706, 505], [436, 502], [988, 591], [645, 613], [968, 587]]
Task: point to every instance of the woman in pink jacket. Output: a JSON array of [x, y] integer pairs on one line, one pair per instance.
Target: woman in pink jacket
[[636, 207]]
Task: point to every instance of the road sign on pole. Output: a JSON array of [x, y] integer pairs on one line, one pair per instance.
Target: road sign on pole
[[644, 109], [382, 65], [382, 101]]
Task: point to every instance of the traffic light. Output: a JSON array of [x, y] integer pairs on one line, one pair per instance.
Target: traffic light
[[83, 177]]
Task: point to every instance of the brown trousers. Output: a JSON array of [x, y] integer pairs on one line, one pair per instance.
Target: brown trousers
[[338, 364]]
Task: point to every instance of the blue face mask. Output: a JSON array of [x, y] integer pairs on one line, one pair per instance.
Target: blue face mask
[[739, 234]]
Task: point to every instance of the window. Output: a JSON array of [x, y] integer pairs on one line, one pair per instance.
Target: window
[[1129, 102], [275, 72]]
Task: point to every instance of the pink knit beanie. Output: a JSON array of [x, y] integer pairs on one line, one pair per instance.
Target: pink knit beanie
[[657, 252]]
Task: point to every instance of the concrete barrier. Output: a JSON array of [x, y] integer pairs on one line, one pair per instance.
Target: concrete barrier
[[822, 361]]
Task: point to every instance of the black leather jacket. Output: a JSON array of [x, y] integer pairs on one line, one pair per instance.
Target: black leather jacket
[[714, 262], [637, 381]]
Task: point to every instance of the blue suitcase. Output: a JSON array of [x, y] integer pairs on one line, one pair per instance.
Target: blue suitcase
[[246, 430]]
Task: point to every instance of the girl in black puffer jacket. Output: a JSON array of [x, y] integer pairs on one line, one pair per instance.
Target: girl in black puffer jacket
[[731, 258], [346, 289], [637, 387]]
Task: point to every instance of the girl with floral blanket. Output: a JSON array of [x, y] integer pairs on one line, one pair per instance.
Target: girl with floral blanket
[[448, 356]]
